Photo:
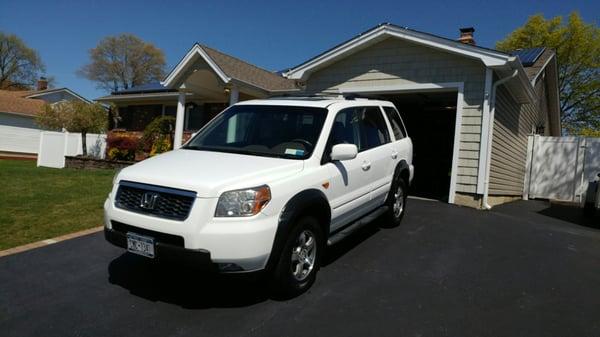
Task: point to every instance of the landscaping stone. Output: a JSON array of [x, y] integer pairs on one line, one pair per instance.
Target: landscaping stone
[[93, 163]]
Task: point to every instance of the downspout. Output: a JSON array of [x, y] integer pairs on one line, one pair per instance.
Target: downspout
[[490, 136]]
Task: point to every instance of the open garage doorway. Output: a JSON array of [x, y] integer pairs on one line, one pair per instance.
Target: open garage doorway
[[430, 119]]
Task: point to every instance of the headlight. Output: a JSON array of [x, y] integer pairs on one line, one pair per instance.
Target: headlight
[[245, 202]]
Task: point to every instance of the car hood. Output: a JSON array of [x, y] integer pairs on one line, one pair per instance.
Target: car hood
[[209, 173]]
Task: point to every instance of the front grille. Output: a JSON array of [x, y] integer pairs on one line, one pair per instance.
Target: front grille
[[153, 200]]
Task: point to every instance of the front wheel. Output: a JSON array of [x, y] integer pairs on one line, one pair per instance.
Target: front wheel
[[299, 262], [396, 202]]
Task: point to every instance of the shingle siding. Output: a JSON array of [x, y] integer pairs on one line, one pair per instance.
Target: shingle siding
[[397, 62]]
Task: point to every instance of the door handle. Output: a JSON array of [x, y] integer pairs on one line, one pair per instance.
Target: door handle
[[366, 166], [394, 154]]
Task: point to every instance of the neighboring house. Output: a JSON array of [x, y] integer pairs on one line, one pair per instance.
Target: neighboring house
[[19, 134], [467, 108]]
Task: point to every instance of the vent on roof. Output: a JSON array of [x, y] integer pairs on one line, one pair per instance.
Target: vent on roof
[[528, 56]]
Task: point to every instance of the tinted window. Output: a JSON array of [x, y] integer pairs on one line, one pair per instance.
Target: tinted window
[[374, 130], [396, 122], [361, 126], [275, 131]]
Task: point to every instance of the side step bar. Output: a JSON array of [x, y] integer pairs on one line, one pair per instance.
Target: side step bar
[[339, 236]]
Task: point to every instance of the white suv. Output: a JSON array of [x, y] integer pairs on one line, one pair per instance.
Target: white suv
[[266, 185]]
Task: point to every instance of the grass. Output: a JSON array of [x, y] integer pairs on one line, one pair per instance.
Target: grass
[[38, 203]]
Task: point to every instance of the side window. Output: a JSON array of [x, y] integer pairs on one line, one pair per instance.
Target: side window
[[345, 130], [373, 129], [364, 127], [396, 122]]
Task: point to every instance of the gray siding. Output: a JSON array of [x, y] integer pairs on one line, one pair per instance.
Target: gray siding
[[512, 124], [397, 62], [9, 119]]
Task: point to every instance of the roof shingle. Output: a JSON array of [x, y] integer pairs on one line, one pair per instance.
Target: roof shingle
[[246, 72], [16, 102]]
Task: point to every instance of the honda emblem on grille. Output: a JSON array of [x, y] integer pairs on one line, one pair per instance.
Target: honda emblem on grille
[[148, 200]]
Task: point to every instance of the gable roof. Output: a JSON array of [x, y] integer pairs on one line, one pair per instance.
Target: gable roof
[[42, 93], [490, 57], [17, 102], [504, 63], [228, 69]]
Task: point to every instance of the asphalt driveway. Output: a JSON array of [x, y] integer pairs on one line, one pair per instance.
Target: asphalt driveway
[[523, 269]]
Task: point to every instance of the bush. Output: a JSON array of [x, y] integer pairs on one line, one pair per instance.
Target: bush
[[121, 147], [158, 135]]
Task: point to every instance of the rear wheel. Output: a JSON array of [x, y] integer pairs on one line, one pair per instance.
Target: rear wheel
[[299, 261], [396, 202]]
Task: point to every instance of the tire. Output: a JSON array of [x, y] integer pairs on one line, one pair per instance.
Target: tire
[[396, 202], [291, 276]]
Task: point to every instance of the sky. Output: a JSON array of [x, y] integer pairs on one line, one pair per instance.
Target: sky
[[274, 35]]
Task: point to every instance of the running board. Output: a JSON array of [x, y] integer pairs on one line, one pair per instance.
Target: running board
[[339, 236]]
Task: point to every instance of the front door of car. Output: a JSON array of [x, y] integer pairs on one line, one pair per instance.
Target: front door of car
[[350, 180]]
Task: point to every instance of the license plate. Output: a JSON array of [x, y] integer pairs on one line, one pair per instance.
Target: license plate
[[141, 245]]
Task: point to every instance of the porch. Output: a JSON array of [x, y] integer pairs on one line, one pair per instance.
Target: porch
[[204, 83]]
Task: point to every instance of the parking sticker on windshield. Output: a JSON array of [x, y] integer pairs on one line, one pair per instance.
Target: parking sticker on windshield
[[294, 152]]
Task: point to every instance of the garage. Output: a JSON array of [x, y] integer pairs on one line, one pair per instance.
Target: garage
[[430, 119]]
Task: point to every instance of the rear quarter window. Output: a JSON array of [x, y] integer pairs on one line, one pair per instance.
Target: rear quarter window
[[396, 122]]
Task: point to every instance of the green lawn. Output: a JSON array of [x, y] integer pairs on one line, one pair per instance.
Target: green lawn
[[38, 203]]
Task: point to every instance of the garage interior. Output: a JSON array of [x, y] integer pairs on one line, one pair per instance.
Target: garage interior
[[430, 122]]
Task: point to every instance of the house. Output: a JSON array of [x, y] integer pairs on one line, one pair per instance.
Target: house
[[468, 109], [19, 133]]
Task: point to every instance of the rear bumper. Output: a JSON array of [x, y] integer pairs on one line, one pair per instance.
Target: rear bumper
[[167, 252]]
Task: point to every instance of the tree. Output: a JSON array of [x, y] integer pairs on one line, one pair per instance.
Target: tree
[[75, 116], [577, 46], [123, 61], [20, 66]]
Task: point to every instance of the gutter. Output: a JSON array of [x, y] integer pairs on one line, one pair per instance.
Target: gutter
[[490, 136]]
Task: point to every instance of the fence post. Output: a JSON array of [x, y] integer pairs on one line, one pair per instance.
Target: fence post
[[580, 189], [66, 146], [39, 155], [528, 165]]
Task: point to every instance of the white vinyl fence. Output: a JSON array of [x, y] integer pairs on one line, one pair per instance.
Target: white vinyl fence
[[561, 168], [19, 139], [54, 146]]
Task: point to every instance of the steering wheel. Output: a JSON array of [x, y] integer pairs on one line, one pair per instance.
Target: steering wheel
[[304, 142]]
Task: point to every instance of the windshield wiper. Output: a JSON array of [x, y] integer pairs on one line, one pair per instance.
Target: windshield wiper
[[192, 147]]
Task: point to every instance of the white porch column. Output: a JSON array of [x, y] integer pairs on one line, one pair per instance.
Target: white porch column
[[234, 94], [179, 120]]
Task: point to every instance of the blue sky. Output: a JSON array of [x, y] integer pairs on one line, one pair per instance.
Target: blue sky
[[270, 34]]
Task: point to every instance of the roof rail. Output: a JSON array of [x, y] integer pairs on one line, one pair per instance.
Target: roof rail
[[307, 97], [353, 96]]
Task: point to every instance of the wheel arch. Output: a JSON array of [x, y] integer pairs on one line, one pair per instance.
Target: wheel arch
[[308, 202], [403, 171]]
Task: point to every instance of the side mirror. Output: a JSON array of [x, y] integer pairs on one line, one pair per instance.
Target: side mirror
[[344, 152]]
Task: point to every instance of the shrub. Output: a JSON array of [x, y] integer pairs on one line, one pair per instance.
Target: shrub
[[121, 147], [158, 135]]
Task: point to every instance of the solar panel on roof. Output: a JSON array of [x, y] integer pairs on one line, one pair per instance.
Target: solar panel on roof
[[148, 87], [528, 56]]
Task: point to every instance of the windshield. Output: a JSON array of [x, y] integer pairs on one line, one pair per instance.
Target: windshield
[[263, 130]]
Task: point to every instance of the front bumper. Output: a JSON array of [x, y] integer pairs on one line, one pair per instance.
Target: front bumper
[[166, 252], [231, 244]]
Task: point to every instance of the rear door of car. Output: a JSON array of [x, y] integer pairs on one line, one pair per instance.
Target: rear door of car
[[350, 181], [377, 144]]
